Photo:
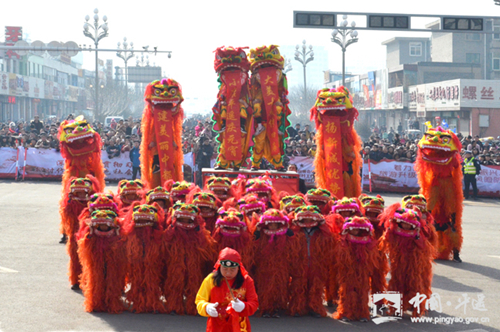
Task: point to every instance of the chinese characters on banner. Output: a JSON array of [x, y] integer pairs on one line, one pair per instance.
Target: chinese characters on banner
[[233, 142], [12, 36]]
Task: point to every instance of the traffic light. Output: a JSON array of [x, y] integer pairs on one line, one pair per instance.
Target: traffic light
[[322, 20], [462, 23], [388, 22]]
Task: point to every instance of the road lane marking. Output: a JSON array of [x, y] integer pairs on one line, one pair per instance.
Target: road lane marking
[[493, 256], [6, 270]]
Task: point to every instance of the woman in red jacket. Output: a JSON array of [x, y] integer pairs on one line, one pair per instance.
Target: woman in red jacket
[[227, 295]]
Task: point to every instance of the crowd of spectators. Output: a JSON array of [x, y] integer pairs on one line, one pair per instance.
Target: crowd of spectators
[[197, 137], [402, 146]]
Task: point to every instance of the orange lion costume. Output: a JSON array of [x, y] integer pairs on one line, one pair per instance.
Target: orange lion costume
[[81, 149], [316, 243], [232, 113], [102, 254], [75, 198], [275, 256], [269, 90], [410, 254], [161, 145], [439, 175], [357, 260], [189, 257], [144, 232], [337, 162]]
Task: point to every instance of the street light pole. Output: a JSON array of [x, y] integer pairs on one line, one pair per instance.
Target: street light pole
[[126, 55], [304, 57], [99, 32], [349, 36]]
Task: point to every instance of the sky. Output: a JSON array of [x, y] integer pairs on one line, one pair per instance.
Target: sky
[[192, 30]]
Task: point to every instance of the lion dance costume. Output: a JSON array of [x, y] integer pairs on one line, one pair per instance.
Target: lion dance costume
[[440, 178], [410, 254], [102, 254], [144, 232], [232, 231], [189, 257], [337, 162], [269, 92], [275, 256], [316, 242], [81, 149], [232, 112], [356, 262], [161, 145], [77, 195]]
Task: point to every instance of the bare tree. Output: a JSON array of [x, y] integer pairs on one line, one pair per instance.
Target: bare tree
[[114, 99], [300, 105]]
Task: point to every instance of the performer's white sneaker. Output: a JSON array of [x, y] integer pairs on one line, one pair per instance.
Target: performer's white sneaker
[[260, 128]]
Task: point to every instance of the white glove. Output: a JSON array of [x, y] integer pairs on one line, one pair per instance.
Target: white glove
[[211, 309], [238, 305]]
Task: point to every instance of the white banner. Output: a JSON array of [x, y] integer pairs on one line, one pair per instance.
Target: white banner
[[8, 157], [305, 168], [391, 176]]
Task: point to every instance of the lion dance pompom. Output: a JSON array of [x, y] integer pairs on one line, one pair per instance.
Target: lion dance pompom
[[161, 145], [337, 161], [440, 178]]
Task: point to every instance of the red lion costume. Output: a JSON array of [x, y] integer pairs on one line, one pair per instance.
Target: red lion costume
[[322, 198], [275, 255], [232, 112], [419, 203], [75, 198], [189, 257], [161, 145], [337, 162], [208, 204], [81, 149], [357, 261], [316, 243], [269, 90], [102, 254], [410, 254], [439, 175], [232, 231], [129, 191], [371, 208], [221, 187], [144, 233]]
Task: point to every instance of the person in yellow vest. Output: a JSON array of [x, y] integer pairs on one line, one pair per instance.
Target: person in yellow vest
[[470, 168]]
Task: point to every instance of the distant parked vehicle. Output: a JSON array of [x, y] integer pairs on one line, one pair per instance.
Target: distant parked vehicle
[[108, 119]]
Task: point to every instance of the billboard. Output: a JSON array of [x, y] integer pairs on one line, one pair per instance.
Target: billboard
[[143, 74]]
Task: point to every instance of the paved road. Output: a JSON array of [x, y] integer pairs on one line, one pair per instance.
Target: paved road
[[35, 295]]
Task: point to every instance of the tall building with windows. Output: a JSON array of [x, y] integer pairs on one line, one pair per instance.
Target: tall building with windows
[[38, 84]]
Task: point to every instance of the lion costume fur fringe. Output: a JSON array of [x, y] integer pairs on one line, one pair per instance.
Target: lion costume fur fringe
[[104, 263], [410, 261]]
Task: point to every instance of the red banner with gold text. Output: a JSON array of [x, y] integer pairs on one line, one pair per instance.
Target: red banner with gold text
[[232, 142], [164, 141], [333, 155], [269, 85]]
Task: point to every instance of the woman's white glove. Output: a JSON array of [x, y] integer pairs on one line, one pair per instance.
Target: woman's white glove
[[238, 305], [211, 309]]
